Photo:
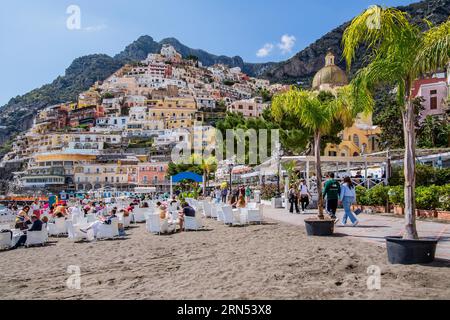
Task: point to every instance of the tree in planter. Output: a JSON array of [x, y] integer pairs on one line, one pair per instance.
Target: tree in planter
[[401, 53], [318, 114]]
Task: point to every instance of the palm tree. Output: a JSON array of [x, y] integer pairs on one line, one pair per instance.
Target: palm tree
[[400, 53], [290, 169], [208, 165], [318, 113]]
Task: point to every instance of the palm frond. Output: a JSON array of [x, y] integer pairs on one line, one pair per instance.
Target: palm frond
[[379, 29], [435, 51]]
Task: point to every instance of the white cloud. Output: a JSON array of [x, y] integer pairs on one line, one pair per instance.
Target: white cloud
[[287, 43], [265, 51], [95, 28]]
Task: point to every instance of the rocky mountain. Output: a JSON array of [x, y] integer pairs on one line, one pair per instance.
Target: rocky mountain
[[17, 115], [304, 65]]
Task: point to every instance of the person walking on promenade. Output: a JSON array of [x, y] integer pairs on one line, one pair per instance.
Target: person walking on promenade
[[293, 199], [348, 197], [332, 191], [305, 195]]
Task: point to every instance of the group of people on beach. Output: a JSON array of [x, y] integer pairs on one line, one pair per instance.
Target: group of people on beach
[[36, 216], [334, 194], [238, 198]]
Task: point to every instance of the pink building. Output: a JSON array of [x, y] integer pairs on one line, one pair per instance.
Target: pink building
[[153, 174], [249, 108], [434, 91]]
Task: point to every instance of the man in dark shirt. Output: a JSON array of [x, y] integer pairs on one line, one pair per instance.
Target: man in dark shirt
[[188, 211], [36, 226], [331, 191]]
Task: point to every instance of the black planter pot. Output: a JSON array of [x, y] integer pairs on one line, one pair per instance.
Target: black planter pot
[[320, 228], [402, 251]]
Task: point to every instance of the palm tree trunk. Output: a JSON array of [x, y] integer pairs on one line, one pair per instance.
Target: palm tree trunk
[[317, 138], [410, 171]]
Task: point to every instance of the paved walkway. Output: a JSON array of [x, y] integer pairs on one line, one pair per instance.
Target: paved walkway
[[374, 228]]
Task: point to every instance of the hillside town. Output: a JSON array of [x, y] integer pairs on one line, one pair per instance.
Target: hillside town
[[120, 133], [168, 172]]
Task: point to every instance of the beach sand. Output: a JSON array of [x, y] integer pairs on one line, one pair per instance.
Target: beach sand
[[272, 261]]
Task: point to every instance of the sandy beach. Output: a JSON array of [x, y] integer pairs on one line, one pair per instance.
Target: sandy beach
[[271, 261]]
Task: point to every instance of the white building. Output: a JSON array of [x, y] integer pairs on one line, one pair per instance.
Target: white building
[[172, 136], [156, 82], [168, 51], [113, 123]]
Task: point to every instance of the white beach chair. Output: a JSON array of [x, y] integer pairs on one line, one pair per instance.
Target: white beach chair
[[252, 205], [157, 226], [108, 231], [35, 238], [214, 214], [126, 221], [220, 215], [74, 233], [207, 209], [173, 208], [5, 240], [58, 228], [139, 215], [227, 216], [192, 223], [255, 216], [91, 218], [243, 216]]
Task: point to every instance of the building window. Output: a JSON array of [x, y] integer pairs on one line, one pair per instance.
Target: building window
[[433, 103], [356, 140]]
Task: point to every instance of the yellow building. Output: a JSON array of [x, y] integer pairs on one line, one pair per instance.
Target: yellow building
[[177, 112], [362, 136]]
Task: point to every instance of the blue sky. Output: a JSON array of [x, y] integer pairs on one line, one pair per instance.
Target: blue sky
[[36, 45]]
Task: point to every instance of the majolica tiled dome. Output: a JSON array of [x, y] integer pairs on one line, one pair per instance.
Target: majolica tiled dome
[[329, 76]]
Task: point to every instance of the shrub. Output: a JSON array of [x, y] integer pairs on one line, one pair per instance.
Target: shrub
[[397, 195], [427, 198], [377, 196], [444, 198], [361, 193], [269, 191], [425, 176]]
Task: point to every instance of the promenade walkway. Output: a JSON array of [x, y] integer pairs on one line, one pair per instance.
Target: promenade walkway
[[373, 228]]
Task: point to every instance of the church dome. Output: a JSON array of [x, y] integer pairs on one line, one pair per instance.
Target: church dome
[[330, 76]]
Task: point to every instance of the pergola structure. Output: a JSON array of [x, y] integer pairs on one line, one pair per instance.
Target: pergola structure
[[342, 166]]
